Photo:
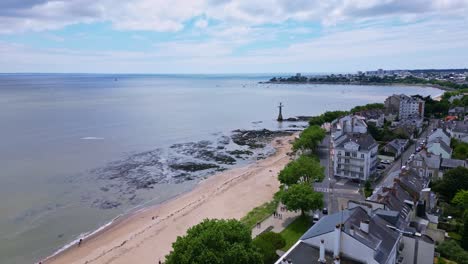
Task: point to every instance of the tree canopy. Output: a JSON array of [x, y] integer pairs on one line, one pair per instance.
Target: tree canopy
[[302, 197], [453, 181], [267, 244], [326, 117], [461, 199], [460, 149], [304, 169], [309, 139], [367, 107], [215, 241]]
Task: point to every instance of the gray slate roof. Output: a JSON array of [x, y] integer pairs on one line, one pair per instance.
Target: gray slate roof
[[380, 238], [453, 163], [365, 141]]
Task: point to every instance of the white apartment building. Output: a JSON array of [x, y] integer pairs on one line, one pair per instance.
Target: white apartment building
[[355, 156], [405, 106]]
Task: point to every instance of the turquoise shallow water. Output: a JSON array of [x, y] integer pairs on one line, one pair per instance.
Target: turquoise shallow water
[[57, 130]]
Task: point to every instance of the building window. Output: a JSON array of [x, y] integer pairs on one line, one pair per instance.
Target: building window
[[362, 156], [346, 154], [339, 159], [346, 160], [361, 169], [339, 166], [354, 154]]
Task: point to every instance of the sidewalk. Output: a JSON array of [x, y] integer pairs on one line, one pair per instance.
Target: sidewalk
[[276, 224]]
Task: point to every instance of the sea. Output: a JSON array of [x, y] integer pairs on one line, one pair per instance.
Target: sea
[[79, 150]]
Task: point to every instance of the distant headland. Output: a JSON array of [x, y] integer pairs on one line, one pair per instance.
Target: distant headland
[[447, 79]]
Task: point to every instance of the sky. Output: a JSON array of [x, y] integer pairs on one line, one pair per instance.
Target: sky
[[224, 36]]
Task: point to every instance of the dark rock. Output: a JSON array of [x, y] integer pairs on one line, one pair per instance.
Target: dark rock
[[192, 166]]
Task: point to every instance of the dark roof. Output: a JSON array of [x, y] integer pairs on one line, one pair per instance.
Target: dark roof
[[380, 238], [460, 127], [452, 163], [304, 253], [443, 145], [388, 215], [365, 141], [327, 224]]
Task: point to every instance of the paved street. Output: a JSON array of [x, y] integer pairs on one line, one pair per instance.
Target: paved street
[[387, 179], [336, 193]]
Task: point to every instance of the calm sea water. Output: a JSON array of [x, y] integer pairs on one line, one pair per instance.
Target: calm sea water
[[55, 130]]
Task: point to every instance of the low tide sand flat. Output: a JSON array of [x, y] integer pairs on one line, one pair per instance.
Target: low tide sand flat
[[147, 236]]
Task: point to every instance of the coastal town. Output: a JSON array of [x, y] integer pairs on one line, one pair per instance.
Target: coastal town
[[400, 219], [389, 187], [448, 79]]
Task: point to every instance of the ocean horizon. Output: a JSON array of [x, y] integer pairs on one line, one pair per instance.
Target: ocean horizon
[[78, 150]]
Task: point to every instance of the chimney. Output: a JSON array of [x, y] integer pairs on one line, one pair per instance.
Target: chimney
[[336, 249], [364, 226], [337, 260], [351, 231], [322, 252]]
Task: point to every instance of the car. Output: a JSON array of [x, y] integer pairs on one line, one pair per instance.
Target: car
[[325, 211], [418, 149], [403, 168], [316, 218], [385, 161], [380, 167]]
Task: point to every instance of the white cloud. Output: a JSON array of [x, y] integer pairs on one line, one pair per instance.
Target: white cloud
[[430, 44], [201, 23], [163, 15]]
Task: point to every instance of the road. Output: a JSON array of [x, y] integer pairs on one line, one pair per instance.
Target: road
[[388, 178], [335, 193]]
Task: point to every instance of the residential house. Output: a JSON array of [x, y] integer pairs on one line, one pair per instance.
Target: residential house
[[439, 133], [404, 106], [439, 147], [448, 164], [358, 236], [373, 116], [355, 156], [426, 164], [348, 124], [396, 147], [459, 130], [458, 111]]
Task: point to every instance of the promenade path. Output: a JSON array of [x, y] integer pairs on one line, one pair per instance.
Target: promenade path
[[276, 224]]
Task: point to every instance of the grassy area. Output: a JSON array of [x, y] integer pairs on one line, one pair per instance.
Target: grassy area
[[295, 230], [260, 213], [454, 235]]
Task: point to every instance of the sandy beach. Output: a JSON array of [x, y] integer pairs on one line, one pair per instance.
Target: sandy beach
[[147, 236]]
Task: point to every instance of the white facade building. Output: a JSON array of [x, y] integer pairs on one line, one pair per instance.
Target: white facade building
[[355, 156], [405, 106]]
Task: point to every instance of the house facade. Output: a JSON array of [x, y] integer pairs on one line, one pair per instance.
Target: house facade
[[355, 156], [405, 106], [439, 147]]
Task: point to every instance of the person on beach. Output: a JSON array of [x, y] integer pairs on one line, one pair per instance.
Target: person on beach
[[80, 241]]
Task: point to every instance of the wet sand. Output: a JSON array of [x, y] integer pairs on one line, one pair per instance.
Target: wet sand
[[147, 236]]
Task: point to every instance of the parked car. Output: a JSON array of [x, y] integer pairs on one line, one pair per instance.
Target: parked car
[[380, 167], [316, 218], [325, 211], [385, 161]]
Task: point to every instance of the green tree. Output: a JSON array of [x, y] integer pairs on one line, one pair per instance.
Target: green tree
[[215, 241], [267, 244], [309, 138], [461, 199], [451, 250], [464, 234], [460, 150], [304, 169], [302, 197], [453, 181]]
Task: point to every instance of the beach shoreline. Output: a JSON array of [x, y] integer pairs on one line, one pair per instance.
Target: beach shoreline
[[147, 234], [419, 85]]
